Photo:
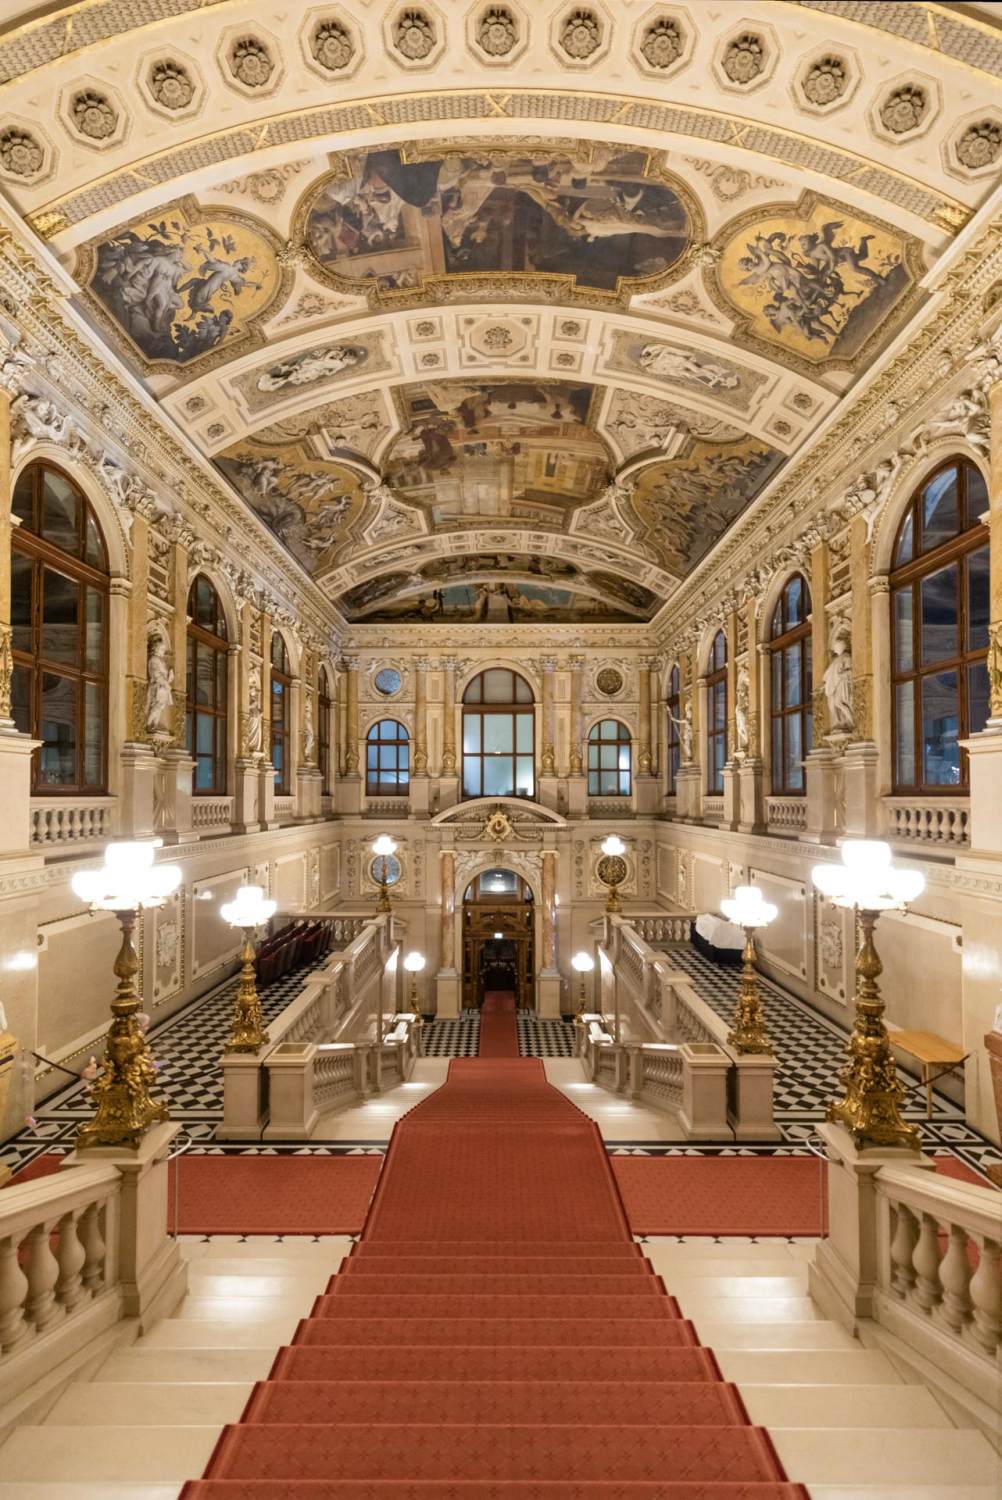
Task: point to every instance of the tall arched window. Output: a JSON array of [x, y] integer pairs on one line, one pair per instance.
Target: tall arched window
[[609, 759], [940, 616], [281, 684], [716, 713], [387, 759], [208, 650], [324, 709], [673, 743], [59, 619], [498, 736], [790, 707]]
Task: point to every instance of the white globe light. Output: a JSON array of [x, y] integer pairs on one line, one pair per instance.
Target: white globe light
[[249, 908], [866, 879], [749, 908], [384, 846], [128, 880], [613, 845], [414, 963], [867, 855], [583, 962]]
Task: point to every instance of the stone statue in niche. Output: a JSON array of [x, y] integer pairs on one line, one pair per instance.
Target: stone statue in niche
[[741, 715], [309, 731], [255, 721], [159, 686], [684, 728], [837, 680]]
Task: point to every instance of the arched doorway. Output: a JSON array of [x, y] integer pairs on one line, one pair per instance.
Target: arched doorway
[[498, 921]]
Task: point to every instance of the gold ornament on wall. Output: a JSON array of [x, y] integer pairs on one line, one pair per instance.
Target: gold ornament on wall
[[994, 665]]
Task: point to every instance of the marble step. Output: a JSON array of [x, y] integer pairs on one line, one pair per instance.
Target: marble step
[[151, 1403], [886, 1455], [801, 1405]]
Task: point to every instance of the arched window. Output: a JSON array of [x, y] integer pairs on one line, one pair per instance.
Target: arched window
[[673, 743], [609, 759], [281, 684], [324, 708], [59, 619], [498, 736], [940, 616], [207, 688], [716, 714], [387, 759], [790, 707]]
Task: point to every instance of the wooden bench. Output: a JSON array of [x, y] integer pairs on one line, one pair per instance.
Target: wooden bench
[[931, 1051]]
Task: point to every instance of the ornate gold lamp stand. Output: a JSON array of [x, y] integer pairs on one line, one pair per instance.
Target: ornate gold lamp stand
[[384, 848], [583, 964], [414, 963], [127, 884], [748, 909], [871, 1107], [248, 910], [612, 869]]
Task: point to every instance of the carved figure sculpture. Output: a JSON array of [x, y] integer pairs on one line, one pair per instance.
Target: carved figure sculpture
[[838, 678], [255, 721], [159, 684], [684, 727], [309, 732], [741, 714]]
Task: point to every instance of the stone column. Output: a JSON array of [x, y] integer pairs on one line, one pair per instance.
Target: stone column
[[546, 791], [732, 809], [751, 774], [309, 778], [420, 789], [577, 782], [349, 792], [175, 768], [266, 772], [448, 981], [688, 784], [863, 811], [548, 983], [644, 781], [449, 779], [819, 764], [246, 774]]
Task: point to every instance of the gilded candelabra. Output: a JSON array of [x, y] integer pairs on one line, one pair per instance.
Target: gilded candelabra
[[249, 910], [124, 1107], [583, 963], [749, 910], [384, 847], [414, 963], [871, 1106], [612, 870]]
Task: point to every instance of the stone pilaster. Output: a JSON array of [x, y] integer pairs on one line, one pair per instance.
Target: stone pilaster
[[548, 991], [577, 782], [546, 791], [448, 979], [349, 790], [449, 779]]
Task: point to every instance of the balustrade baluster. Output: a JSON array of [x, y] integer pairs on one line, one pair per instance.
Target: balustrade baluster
[[92, 1236], [928, 1290], [13, 1287], [986, 1294], [70, 1254], [903, 1249], [955, 1276], [42, 1271]]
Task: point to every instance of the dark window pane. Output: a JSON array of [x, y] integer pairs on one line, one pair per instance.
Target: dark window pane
[[903, 551], [977, 495], [794, 602], [22, 501], [204, 735], [903, 645], [204, 779], [940, 521], [777, 755], [977, 600], [904, 724], [58, 731], [977, 697], [94, 552], [794, 751], [808, 725], [940, 730], [20, 696], [94, 630], [60, 513], [22, 572], [777, 679], [791, 667], [60, 618], [93, 730], [938, 614]]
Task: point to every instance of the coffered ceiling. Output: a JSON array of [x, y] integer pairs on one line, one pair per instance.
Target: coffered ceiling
[[499, 310]]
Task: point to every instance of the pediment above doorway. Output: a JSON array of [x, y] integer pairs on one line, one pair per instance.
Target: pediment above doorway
[[499, 822]]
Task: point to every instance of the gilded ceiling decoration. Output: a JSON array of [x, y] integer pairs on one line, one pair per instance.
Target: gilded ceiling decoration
[[309, 504]]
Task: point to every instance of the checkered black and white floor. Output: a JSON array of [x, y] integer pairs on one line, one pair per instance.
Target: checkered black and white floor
[[538, 1038], [457, 1038]]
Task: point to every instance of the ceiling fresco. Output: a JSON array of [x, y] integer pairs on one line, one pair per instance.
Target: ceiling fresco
[[599, 214], [398, 300], [516, 449]]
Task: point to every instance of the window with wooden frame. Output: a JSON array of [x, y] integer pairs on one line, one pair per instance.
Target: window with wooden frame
[[387, 759], [609, 759], [791, 687], [498, 736], [281, 689], [939, 629], [716, 714], [324, 709], [207, 688], [673, 742], [59, 632]]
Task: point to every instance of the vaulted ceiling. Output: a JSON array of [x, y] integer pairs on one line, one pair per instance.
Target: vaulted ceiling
[[499, 310]]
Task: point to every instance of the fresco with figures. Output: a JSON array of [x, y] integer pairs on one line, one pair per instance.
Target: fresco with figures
[[308, 502], [499, 586], [308, 373], [600, 214], [687, 502], [816, 280], [683, 367], [184, 282], [516, 449]]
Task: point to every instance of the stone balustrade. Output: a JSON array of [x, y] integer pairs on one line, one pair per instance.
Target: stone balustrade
[[943, 822], [309, 1079], [211, 814], [57, 821], [786, 814]]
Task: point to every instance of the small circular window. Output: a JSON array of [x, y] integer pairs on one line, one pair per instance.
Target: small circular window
[[609, 681], [387, 681], [393, 869]]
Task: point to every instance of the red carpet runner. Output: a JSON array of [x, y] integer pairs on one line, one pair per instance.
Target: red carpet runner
[[495, 1334]]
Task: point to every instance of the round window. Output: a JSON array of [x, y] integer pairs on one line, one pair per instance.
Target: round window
[[393, 871], [387, 681], [609, 681]]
